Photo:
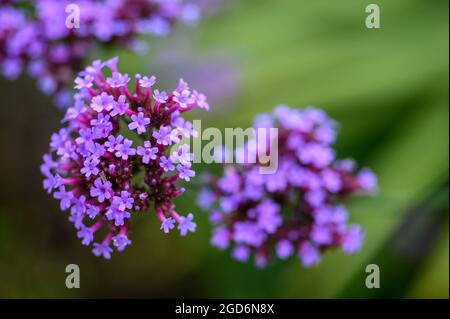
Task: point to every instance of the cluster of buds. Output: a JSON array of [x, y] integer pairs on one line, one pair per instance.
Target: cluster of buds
[[299, 209], [41, 37], [121, 153]]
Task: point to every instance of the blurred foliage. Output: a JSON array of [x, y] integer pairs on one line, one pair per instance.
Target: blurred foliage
[[388, 88]]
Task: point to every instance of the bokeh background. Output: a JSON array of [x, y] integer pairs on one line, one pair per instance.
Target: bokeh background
[[388, 88]]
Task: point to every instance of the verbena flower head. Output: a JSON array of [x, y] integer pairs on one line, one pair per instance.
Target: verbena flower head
[[35, 38], [120, 154], [298, 210]]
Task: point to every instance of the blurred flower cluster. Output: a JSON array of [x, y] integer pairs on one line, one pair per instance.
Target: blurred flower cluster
[[297, 210], [34, 36], [120, 153]]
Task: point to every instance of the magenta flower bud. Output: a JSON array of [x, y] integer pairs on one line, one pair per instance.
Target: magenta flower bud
[[92, 168]]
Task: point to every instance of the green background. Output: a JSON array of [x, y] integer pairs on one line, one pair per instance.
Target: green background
[[388, 89]]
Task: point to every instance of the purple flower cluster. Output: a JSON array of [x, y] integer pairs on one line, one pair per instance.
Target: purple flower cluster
[[120, 153], [38, 41], [297, 210]]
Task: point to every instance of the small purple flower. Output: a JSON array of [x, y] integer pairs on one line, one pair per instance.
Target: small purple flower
[[166, 163], [276, 182], [11, 69], [316, 154], [241, 253], [248, 233], [284, 249], [139, 123], [182, 85], [86, 234], [315, 197], [291, 118], [352, 240], [94, 69], [125, 149], [92, 211], [315, 116], [48, 165], [67, 149], [230, 182], [322, 235], [163, 136], [216, 217], [268, 216], [367, 180], [147, 82], [184, 99], [90, 167], [52, 182], [220, 238], [112, 63], [167, 224], [77, 219], [58, 140], [308, 254], [64, 196], [101, 190], [118, 215], [120, 107], [124, 201], [323, 215], [185, 224], [86, 137], [185, 172], [160, 97], [118, 80], [113, 142], [147, 152], [102, 249], [97, 150], [79, 205], [101, 126], [253, 192], [325, 134], [331, 181], [121, 241], [102, 102], [85, 82], [205, 198]]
